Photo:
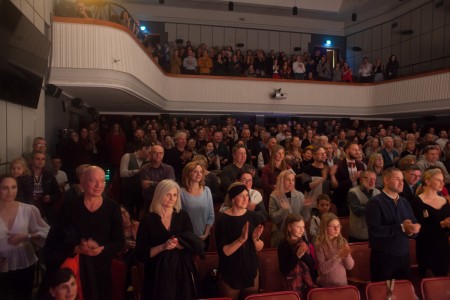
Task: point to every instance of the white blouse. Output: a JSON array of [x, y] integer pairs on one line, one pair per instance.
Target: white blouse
[[28, 221]]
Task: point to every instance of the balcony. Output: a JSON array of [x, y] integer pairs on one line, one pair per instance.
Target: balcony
[[105, 65]]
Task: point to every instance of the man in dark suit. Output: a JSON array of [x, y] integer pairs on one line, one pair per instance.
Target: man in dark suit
[[344, 175], [411, 175]]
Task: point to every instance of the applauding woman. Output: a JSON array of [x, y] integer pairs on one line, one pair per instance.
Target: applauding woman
[[20, 225], [165, 242], [237, 238]]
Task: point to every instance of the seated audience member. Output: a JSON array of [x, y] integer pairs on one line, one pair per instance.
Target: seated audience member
[[378, 71], [82, 11], [21, 226], [270, 172], [125, 19], [390, 222], [357, 199], [376, 164], [266, 151], [25, 184], [344, 175], [406, 161], [433, 213], [211, 179], [255, 202], [324, 206], [235, 66], [332, 253], [115, 143], [154, 172], [61, 176], [196, 200], [284, 200], [430, 159], [412, 175], [165, 244], [92, 228], [294, 257], [63, 285], [410, 149], [238, 232]]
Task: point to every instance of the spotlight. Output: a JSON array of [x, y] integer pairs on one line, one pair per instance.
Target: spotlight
[[328, 43], [230, 6], [143, 28], [295, 10], [354, 17]]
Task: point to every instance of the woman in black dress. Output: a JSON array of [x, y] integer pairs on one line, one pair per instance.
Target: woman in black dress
[[237, 239], [433, 213], [165, 242]]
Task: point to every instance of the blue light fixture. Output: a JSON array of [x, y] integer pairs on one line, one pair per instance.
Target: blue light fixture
[[143, 28], [328, 43]]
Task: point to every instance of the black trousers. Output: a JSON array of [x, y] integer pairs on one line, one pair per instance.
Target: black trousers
[[18, 284], [385, 266]]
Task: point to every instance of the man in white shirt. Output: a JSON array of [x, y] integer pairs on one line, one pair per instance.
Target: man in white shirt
[[298, 67]]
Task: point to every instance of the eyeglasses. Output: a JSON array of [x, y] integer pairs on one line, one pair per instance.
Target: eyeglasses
[[40, 145]]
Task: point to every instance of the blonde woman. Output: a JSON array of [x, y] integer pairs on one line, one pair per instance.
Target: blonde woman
[[375, 164], [196, 200], [285, 200], [332, 253]]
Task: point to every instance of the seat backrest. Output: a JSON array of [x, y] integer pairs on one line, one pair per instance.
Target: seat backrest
[[119, 279], [137, 280], [286, 295], [345, 227], [435, 288], [403, 290], [412, 252], [270, 277], [347, 292], [267, 233], [205, 266], [361, 270]]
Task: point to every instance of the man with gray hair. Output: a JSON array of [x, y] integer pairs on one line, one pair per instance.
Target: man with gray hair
[[390, 155]]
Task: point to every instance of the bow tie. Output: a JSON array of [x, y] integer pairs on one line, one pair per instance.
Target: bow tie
[[351, 164]]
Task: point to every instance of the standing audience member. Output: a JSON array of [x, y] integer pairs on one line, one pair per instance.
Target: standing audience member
[[175, 62], [347, 74], [285, 200], [323, 69], [365, 71], [376, 164], [39, 144], [205, 64], [179, 155], [357, 199], [324, 206], [270, 172], [229, 172], [165, 243], [392, 67], [63, 285], [332, 253], [196, 200], [115, 143], [390, 155], [390, 222], [298, 67], [60, 176], [238, 234], [433, 213], [21, 225], [412, 175], [190, 63], [378, 71], [25, 184], [294, 257], [91, 227], [431, 159]]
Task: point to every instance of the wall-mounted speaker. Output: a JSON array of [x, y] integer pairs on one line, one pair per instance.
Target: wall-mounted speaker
[[354, 17], [297, 49], [179, 41], [230, 6], [53, 90], [240, 45], [77, 102]]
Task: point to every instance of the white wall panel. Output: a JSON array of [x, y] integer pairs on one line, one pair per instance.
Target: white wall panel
[[14, 130], [274, 41], [171, 30], [263, 40], [252, 39], [206, 34], [229, 37], [194, 35], [241, 37], [183, 32], [285, 43], [218, 36]]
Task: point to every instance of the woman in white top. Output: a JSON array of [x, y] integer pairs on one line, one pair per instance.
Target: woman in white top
[[196, 200], [20, 225]]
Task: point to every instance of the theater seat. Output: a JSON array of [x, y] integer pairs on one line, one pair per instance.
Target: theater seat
[[347, 292], [286, 295], [403, 290], [435, 288], [345, 227], [270, 277], [267, 234], [204, 270], [119, 279], [137, 279], [359, 276]]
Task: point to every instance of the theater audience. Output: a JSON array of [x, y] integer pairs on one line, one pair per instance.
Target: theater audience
[[25, 183], [376, 164], [324, 206], [21, 225], [270, 172], [63, 285]]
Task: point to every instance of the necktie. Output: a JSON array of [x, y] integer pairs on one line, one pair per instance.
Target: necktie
[[351, 164]]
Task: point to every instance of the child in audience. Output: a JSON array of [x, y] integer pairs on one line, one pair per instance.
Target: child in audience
[[332, 253], [61, 176], [323, 207], [295, 258], [25, 185]]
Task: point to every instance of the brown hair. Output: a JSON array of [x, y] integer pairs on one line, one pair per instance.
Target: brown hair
[[188, 169], [291, 218]]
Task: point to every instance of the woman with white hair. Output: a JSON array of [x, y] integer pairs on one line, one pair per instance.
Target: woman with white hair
[[165, 242], [285, 200]]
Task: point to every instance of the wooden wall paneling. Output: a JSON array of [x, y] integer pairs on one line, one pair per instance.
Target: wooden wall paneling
[[437, 40], [438, 15], [218, 36], [415, 50], [416, 21], [194, 35], [206, 35], [396, 31], [229, 37], [405, 24], [171, 30], [263, 40], [274, 41], [425, 46]]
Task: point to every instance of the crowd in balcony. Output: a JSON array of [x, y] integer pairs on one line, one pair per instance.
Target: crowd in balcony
[[179, 181]]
